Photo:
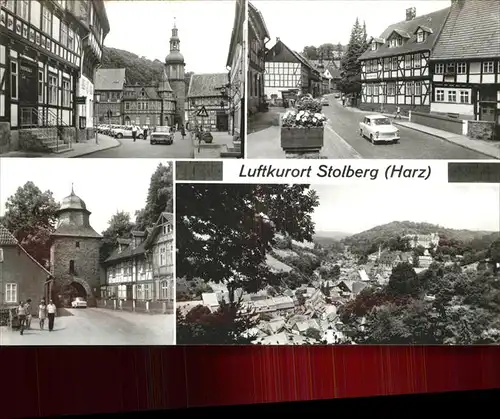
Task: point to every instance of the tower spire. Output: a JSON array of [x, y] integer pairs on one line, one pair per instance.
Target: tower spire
[[72, 189]]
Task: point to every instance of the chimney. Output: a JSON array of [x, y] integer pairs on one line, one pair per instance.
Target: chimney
[[277, 39], [411, 14]]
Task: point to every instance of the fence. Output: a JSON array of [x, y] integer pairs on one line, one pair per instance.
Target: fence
[[138, 306]]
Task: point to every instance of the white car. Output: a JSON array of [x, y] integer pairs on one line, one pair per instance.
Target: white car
[[79, 302], [125, 132], [378, 128]]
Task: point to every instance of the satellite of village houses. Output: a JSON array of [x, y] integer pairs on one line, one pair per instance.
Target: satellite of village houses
[[294, 265]]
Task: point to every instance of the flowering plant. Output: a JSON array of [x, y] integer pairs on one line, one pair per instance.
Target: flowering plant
[[307, 115]]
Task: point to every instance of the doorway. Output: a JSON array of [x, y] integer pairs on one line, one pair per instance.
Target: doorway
[[28, 93], [222, 123]]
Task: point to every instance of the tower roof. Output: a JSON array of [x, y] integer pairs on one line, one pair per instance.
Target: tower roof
[[73, 202], [174, 57], [164, 84]]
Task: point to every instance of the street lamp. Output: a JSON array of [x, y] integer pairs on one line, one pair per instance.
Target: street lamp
[[97, 99]]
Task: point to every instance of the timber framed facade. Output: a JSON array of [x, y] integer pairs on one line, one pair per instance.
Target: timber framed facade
[[396, 69], [466, 62], [43, 47]]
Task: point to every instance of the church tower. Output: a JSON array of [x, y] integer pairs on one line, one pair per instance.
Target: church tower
[[174, 65], [74, 252]]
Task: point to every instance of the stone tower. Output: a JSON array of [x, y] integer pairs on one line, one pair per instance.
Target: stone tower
[[174, 65], [74, 252], [168, 102]]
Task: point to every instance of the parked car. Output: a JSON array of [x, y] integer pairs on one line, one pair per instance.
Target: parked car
[[162, 135], [337, 95], [207, 137], [324, 101], [79, 302], [378, 128], [125, 132]]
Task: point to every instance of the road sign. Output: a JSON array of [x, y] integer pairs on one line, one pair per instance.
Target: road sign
[[81, 100], [202, 112]]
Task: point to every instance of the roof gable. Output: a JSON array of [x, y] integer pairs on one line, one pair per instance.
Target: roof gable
[[407, 29], [110, 79], [207, 85], [472, 30]]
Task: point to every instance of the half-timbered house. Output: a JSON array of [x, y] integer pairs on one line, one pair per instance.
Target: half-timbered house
[[395, 68], [258, 36], [289, 72], [139, 273], [45, 48], [466, 62]]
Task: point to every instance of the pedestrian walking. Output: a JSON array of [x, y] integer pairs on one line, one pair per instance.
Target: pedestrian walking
[[51, 313], [183, 132], [145, 132], [42, 313], [343, 100], [21, 315], [134, 132], [27, 308], [398, 112]]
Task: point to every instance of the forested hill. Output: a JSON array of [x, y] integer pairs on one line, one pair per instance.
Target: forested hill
[[383, 233], [139, 69]]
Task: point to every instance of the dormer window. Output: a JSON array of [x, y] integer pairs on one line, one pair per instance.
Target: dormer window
[[420, 36], [374, 46], [396, 42]]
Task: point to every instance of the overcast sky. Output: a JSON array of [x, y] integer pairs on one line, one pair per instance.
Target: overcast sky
[[356, 208], [301, 23], [106, 185], [145, 27]]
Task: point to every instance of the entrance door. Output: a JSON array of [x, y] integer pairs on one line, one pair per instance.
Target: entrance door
[[28, 93], [222, 122], [130, 292], [487, 112]]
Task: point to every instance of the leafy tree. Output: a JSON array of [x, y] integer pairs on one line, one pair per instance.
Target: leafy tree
[[325, 51], [226, 326], [119, 226], [350, 67], [403, 280], [494, 252], [159, 199], [31, 215], [225, 231], [310, 52]]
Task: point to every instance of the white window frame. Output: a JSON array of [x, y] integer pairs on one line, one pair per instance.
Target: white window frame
[[46, 21], [163, 256], [420, 36], [418, 88], [489, 67], [66, 93], [53, 90], [391, 87], [439, 69], [374, 46], [407, 61], [11, 293], [439, 95], [462, 68], [464, 97], [164, 294], [452, 96], [24, 9], [41, 86]]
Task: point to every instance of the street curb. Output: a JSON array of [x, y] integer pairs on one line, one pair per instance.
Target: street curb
[[96, 151], [449, 141]]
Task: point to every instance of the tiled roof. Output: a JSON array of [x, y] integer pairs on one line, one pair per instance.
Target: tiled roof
[[126, 253], [6, 237], [207, 85], [471, 31], [168, 216], [109, 79], [433, 21], [255, 14], [334, 72], [75, 231]]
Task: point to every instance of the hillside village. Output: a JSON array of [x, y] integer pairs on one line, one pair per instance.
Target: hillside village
[[318, 283]]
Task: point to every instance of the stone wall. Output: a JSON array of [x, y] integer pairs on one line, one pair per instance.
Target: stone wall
[[68, 134], [481, 130], [83, 135], [444, 123], [5, 137], [85, 257], [19, 268]]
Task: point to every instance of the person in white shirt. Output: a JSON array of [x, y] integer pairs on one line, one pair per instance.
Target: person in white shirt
[[51, 314], [134, 132], [42, 313]]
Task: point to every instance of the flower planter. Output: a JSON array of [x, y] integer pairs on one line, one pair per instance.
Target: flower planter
[[301, 139]]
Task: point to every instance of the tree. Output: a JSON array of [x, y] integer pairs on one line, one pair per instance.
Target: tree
[[159, 199], [494, 252], [31, 215], [403, 280], [339, 50], [310, 52], [325, 51], [350, 67], [119, 226], [313, 333], [226, 326], [225, 231]]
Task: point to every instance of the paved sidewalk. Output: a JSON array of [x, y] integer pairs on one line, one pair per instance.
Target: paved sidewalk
[[78, 149], [213, 150], [488, 148]]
